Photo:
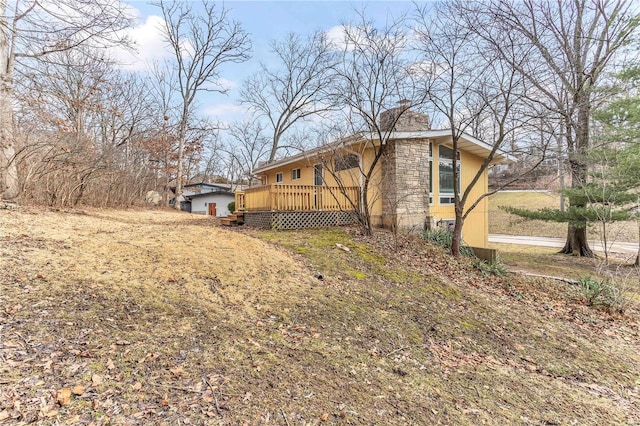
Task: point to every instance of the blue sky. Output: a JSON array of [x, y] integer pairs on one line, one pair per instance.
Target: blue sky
[[264, 21]]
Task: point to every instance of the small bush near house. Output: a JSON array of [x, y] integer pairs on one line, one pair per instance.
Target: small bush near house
[[231, 206], [443, 238], [493, 268]]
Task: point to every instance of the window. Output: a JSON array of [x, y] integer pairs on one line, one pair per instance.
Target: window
[[295, 174], [279, 177], [317, 174], [445, 174], [345, 162]]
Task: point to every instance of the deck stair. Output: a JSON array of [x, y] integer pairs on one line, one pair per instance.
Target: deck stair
[[235, 219]]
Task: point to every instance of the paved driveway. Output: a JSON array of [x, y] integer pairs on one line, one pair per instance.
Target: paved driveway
[[617, 247]]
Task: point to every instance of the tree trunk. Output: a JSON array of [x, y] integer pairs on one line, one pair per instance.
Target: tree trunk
[[576, 243], [8, 169], [181, 142], [364, 209], [456, 237]]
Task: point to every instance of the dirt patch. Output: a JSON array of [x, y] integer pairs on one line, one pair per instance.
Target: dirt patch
[[156, 317]]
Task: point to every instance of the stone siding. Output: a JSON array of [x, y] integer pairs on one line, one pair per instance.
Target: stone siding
[[407, 120], [405, 184]]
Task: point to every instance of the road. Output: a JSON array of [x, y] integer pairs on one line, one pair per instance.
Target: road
[[617, 247]]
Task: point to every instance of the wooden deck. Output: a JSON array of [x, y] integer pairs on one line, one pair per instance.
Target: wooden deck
[[299, 198]]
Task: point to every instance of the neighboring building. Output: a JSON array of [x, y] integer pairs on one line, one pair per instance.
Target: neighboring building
[[411, 185], [211, 203], [209, 199], [204, 188]]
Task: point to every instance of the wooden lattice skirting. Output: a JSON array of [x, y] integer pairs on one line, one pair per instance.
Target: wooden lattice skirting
[[299, 220]]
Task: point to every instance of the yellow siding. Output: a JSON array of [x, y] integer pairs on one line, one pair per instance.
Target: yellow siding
[[475, 229], [306, 174]]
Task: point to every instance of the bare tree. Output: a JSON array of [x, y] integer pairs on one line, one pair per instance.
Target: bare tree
[[293, 92], [213, 164], [468, 86], [246, 146], [371, 78], [568, 46], [201, 43], [30, 32], [90, 121]]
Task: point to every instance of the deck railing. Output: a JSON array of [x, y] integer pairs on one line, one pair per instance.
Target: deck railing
[[280, 197], [239, 199]]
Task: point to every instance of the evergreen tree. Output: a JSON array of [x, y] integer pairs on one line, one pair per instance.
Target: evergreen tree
[[610, 192]]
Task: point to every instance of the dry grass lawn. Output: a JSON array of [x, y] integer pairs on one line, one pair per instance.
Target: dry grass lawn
[[155, 317]]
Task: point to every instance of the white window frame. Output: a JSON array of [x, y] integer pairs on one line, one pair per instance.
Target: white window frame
[[448, 198], [279, 177], [430, 173], [294, 175]]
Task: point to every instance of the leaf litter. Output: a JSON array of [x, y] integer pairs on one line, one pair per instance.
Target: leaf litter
[[156, 317]]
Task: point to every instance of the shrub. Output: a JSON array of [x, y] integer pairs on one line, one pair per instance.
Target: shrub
[[443, 237], [493, 268], [599, 292], [231, 206], [439, 236]]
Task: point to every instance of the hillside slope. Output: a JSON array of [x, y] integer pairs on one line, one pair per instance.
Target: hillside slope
[[154, 317]]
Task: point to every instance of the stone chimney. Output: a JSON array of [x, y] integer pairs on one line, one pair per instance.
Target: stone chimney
[[407, 120]]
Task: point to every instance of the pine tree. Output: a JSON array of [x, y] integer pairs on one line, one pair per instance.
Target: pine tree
[[610, 192]]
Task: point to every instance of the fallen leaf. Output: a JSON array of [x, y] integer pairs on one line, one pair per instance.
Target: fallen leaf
[[63, 396], [78, 390], [324, 417], [178, 371], [96, 379], [110, 364], [137, 386], [51, 413], [4, 415]]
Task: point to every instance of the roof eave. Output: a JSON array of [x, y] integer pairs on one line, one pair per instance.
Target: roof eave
[[499, 158]]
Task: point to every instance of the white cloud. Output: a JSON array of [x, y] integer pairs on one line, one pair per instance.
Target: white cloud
[[221, 84], [336, 37], [148, 43], [226, 110]]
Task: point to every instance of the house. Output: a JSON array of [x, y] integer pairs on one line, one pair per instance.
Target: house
[[206, 198], [211, 203], [411, 186]]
